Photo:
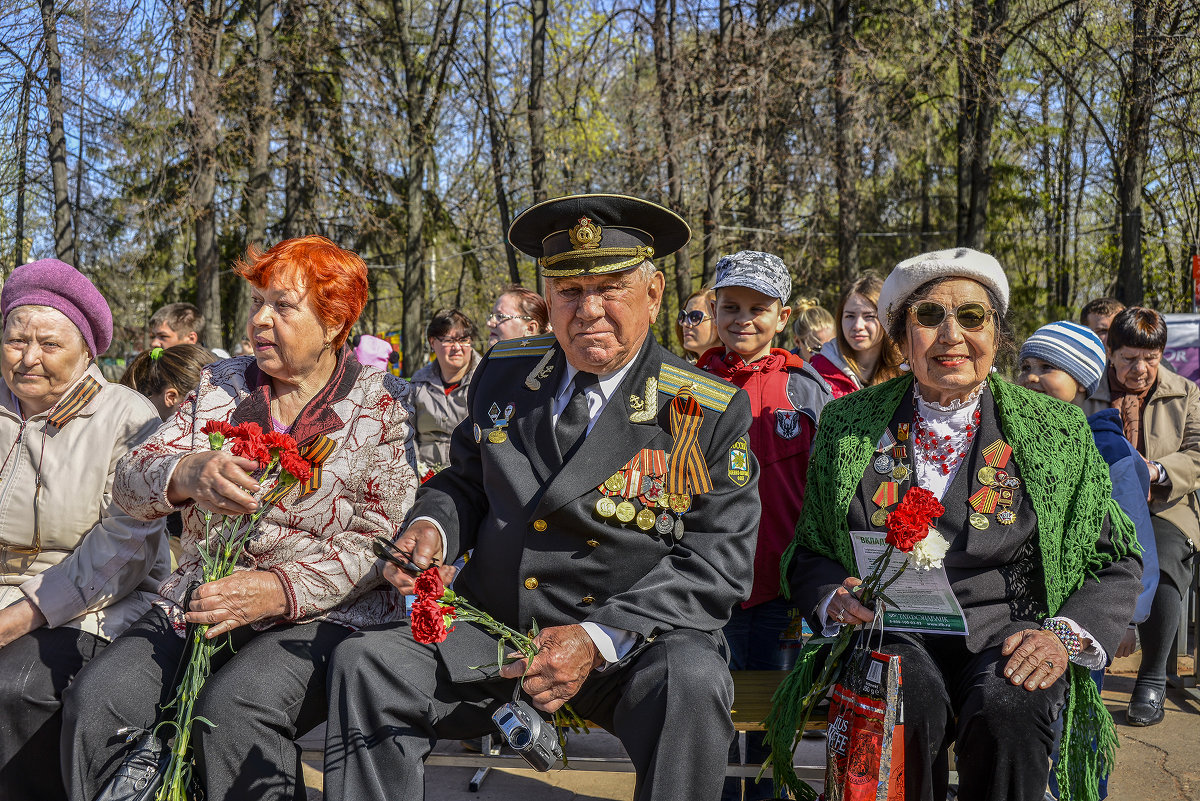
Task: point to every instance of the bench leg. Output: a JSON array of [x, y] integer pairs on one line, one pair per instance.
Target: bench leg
[[477, 780]]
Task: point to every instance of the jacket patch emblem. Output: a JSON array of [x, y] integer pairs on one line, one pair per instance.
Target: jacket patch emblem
[[787, 423], [739, 462]]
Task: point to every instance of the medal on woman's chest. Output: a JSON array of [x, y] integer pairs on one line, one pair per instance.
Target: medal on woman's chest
[[998, 493]]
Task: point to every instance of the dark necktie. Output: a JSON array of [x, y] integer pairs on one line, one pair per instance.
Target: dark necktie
[[573, 422]]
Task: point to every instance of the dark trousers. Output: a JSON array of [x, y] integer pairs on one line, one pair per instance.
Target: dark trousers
[[391, 699], [766, 636], [1003, 734], [261, 694], [34, 671], [1158, 632]]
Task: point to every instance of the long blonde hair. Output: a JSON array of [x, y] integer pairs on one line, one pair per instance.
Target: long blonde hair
[[888, 365]]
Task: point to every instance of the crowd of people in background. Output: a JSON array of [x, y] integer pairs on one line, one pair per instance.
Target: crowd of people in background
[[92, 597]]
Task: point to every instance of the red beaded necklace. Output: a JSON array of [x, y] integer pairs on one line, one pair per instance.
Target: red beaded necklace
[[942, 451]]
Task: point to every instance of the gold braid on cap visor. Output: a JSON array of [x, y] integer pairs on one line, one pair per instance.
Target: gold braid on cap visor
[[636, 256]]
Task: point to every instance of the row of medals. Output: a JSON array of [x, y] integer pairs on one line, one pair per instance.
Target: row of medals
[[650, 491], [989, 476]]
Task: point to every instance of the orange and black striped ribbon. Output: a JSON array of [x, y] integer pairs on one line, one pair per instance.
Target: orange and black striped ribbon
[[687, 461], [984, 500], [996, 455], [74, 402], [316, 452]]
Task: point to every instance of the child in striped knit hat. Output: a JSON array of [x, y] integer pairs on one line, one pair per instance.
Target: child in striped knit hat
[[1066, 361]]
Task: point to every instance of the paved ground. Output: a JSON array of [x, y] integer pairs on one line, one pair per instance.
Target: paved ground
[[1160, 762]]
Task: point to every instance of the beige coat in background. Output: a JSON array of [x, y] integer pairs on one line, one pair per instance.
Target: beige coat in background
[[98, 569], [1171, 429], [438, 414]]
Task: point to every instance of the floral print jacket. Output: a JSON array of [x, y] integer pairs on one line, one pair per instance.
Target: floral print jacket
[[319, 545]]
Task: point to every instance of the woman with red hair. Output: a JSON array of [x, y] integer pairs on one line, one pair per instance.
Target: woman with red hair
[[307, 577]]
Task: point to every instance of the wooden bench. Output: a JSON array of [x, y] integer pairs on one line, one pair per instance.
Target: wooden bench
[[752, 698]]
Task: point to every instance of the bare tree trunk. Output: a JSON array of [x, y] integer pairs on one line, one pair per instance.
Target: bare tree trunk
[[496, 144], [845, 123], [665, 68], [260, 120], [760, 83], [205, 29], [295, 195], [64, 229], [718, 131], [539, 10], [22, 168], [1138, 101], [979, 102], [414, 255]]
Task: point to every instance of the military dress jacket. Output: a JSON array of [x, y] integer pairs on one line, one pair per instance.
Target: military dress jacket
[[541, 552]]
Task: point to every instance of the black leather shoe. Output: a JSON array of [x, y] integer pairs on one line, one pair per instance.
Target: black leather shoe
[[1145, 707]]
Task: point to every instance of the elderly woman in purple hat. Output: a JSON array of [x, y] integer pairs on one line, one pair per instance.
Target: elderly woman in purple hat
[[77, 570]]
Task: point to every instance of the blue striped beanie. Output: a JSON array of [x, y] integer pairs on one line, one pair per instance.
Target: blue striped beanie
[[1071, 348]]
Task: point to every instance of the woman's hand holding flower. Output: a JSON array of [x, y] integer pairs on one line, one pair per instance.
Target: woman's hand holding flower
[[245, 597], [845, 607], [1038, 658], [217, 481]]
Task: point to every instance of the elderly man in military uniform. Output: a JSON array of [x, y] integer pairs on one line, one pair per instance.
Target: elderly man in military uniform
[[607, 493]]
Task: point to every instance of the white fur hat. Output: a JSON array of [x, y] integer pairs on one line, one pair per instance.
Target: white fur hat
[[910, 274]]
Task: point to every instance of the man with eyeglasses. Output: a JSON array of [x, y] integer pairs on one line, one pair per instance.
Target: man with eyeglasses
[[609, 494]]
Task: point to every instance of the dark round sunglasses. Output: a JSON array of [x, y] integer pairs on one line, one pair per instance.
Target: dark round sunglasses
[[970, 316], [693, 317]]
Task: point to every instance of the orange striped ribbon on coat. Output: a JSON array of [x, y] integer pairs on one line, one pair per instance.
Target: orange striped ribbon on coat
[[687, 461]]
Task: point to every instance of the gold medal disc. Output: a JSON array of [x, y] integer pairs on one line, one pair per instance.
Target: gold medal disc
[[625, 511], [979, 521], [900, 472], [645, 519], [879, 518], [987, 475], [615, 482], [679, 503], [497, 436], [606, 507]]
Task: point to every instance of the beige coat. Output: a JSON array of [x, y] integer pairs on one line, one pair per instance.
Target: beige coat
[[438, 414], [66, 545], [1171, 429]]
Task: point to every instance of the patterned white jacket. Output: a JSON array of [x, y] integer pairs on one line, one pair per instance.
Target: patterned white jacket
[[318, 545]]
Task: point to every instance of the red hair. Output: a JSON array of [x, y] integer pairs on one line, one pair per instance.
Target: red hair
[[336, 279]]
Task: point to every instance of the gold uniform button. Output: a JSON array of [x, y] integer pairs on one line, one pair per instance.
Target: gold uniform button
[[539, 525], [587, 600], [593, 543], [531, 583]]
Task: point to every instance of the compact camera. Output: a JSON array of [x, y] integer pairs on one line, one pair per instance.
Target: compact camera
[[530, 736]]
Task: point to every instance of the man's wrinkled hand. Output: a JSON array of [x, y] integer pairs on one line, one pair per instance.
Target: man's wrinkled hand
[[566, 656], [423, 540]]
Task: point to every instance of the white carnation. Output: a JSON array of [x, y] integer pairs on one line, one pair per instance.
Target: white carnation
[[929, 552]]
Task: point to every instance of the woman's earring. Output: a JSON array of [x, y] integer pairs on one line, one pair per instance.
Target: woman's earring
[[994, 370], [904, 368]]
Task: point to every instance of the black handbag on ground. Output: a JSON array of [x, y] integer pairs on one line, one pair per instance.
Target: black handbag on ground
[[140, 773]]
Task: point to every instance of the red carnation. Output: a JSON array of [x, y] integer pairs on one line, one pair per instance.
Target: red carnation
[[428, 475], [910, 522], [295, 465], [429, 585], [279, 442], [218, 431], [428, 621], [253, 449]]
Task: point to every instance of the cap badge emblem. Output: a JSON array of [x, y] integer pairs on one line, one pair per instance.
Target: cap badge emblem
[[586, 235]]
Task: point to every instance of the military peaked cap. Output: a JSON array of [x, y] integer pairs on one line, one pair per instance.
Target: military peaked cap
[[596, 234]]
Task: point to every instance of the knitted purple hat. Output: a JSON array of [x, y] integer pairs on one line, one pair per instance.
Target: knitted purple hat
[[50, 282]]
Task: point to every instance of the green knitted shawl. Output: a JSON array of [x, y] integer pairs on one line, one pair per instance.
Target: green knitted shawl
[[1068, 485]]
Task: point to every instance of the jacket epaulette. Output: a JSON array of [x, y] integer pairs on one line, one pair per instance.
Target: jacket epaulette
[[711, 393], [522, 346]]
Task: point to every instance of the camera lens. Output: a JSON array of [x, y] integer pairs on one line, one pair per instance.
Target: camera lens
[[519, 737]]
